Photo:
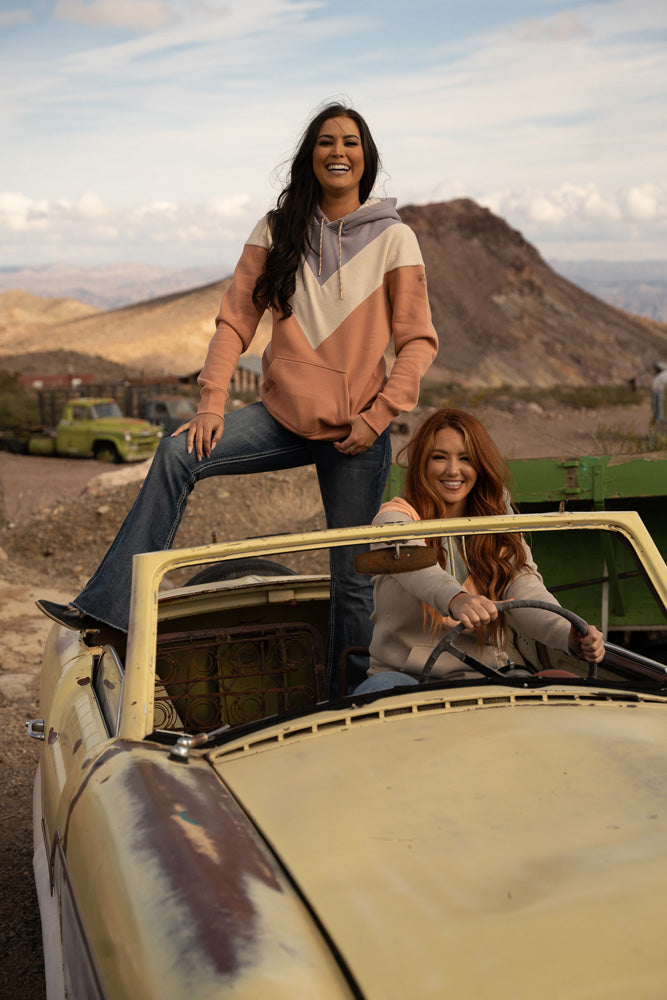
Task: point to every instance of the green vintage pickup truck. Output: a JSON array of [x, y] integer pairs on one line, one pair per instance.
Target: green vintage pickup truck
[[96, 428]]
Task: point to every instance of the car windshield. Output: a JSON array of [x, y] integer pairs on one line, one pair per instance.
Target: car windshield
[[245, 640], [101, 411]]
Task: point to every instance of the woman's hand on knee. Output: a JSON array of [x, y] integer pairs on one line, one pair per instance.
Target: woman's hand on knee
[[204, 432], [472, 609]]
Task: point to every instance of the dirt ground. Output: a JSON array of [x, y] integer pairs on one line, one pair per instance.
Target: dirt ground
[[57, 518]]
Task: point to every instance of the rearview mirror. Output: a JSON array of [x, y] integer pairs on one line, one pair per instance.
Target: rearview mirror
[[398, 559]]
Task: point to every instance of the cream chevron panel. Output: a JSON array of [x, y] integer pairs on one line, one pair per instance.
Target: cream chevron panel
[[319, 310]]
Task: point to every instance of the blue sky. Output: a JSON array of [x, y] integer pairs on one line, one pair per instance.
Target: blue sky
[[154, 130]]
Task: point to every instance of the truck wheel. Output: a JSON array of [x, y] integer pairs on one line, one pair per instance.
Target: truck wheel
[[105, 452]]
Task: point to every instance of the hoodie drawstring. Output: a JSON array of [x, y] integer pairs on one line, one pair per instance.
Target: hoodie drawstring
[[319, 270], [340, 254]]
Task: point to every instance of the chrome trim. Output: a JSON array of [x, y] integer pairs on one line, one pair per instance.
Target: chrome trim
[[36, 728]]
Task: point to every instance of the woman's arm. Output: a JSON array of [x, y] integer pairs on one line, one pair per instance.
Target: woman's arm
[[235, 326], [437, 587], [550, 629], [413, 333], [236, 323]]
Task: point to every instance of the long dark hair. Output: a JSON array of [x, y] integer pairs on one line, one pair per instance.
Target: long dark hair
[[290, 219], [493, 559]]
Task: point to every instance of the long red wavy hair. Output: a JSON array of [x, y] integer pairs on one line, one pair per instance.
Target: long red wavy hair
[[492, 559]]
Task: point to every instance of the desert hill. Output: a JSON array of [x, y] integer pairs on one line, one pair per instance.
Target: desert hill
[[166, 335], [503, 315], [19, 308]]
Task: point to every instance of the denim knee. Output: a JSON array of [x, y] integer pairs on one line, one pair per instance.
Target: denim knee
[[385, 680]]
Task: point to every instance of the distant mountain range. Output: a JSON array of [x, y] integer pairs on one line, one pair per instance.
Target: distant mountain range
[[504, 316], [639, 287], [108, 286]]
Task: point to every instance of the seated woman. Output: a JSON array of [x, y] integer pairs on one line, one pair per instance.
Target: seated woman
[[455, 470]]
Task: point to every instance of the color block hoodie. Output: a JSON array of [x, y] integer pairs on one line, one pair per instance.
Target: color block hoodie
[[359, 283]]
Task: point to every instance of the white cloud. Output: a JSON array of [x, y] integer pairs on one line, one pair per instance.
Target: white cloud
[[209, 232], [19, 214], [214, 231], [555, 122], [12, 18], [137, 15], [561, 27], [576, 220], [646, 203]]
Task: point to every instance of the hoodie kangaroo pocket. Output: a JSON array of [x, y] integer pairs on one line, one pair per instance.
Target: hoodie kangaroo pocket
[[307, 398]]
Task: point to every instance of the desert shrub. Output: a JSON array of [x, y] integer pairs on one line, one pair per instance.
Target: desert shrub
[[615, 439], [18, 406], [587, 397]]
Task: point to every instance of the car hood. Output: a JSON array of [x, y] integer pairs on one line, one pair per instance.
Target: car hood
[[507, 845]]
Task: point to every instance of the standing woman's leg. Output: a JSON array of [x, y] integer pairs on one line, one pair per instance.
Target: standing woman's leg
[[252, 441], [352, 487]]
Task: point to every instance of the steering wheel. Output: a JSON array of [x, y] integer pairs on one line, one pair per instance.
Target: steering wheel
[[446, 644]]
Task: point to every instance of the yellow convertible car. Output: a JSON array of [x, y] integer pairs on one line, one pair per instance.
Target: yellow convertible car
[[208, 825]]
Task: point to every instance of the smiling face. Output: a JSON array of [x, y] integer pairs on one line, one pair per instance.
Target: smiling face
[[338, 159], [450, 472]]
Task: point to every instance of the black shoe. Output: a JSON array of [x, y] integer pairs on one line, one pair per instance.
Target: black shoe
[[65, 614]]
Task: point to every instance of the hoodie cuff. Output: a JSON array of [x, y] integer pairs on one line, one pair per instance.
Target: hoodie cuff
[[380, 415], [213, 401]]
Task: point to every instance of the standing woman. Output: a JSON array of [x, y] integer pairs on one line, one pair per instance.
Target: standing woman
[[455, 470], [342, 276]]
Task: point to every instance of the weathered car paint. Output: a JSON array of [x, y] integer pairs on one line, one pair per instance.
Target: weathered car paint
[[506, 845], [174, 884], [451, 859]]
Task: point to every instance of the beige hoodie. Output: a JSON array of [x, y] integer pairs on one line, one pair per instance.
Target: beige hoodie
[[402, 638]]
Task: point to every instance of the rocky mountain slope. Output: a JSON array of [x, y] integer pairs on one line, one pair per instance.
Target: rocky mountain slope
[[503, 315]]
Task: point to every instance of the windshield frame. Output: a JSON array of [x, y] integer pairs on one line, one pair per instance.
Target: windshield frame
[[150, 568]]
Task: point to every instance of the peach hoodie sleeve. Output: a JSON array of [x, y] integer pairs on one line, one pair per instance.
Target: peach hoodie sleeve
[[415, 344], [235, 326]]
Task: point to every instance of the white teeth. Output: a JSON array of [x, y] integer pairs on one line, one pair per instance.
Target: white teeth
[[338, 168]]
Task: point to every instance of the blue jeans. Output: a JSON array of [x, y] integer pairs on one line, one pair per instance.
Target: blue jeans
[[351, 487], [385, 680]]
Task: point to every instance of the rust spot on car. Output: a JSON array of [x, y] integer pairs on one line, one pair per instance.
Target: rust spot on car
[[207, 849], [109, 684], [53, 736], [107, 755], [82, 681], [77, 746]]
